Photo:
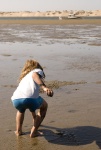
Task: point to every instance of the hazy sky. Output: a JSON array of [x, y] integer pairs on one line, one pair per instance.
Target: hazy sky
[[49, 5]]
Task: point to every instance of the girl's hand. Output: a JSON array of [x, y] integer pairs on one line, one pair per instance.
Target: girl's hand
[[48, 91]]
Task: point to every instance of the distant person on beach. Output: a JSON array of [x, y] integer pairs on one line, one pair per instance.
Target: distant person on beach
[[26, 96]]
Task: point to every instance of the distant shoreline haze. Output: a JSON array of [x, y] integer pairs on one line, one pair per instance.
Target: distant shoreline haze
[[51, 13]]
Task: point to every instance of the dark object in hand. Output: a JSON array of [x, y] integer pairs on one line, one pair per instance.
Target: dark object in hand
[[50, 94]]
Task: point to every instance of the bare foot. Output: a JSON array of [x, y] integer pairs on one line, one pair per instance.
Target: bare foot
[[35, 133], [18, 133]]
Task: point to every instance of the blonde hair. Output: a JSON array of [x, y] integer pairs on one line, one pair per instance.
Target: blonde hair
[[29, 66]]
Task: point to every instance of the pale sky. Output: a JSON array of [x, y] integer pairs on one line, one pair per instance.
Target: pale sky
[[49, 5]]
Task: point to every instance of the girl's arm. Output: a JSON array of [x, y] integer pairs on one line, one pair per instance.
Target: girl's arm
[[39, 81]]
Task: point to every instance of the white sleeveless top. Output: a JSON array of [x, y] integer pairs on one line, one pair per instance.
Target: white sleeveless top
[[27, 87]]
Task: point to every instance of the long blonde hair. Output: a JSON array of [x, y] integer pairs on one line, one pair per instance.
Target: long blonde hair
[[29, 66]]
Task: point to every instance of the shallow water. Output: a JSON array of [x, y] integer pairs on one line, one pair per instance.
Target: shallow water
[[49, 34], [70, 51]]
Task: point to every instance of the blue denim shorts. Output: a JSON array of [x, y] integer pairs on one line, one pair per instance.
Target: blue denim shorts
[[27, 103]]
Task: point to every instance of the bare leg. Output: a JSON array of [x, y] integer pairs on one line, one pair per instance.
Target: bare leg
[[38, 119], [34, 116], [19, 122]]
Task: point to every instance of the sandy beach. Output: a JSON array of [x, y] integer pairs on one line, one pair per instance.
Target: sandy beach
[[51, 13], [52, 22], [71, 56]]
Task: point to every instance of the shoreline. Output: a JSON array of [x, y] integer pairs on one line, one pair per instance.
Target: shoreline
[[53, 22]]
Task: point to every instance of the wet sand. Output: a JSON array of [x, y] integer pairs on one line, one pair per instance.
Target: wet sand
[[52, 22], [71, 57]]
